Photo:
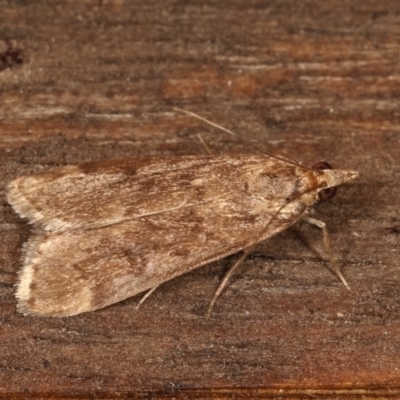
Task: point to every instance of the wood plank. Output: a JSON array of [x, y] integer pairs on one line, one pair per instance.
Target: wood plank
[[312, 80]]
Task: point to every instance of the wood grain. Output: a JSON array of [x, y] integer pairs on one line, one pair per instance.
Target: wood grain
[[313, 80]]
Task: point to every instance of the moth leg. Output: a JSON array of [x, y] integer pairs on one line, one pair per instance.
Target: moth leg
[[205, 145], [146, 295], [222, 285], [327, 243]]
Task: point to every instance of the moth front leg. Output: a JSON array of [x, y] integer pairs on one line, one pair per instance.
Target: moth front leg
[[327, 243]]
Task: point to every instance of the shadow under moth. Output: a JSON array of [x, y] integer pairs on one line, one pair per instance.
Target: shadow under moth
[[108, 230]]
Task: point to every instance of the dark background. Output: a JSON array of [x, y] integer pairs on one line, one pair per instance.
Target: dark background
[[311, 80]]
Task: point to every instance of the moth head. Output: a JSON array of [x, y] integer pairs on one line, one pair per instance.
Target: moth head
[[331, 179]]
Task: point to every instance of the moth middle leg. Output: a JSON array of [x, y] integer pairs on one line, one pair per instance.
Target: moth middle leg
[[224, 281]]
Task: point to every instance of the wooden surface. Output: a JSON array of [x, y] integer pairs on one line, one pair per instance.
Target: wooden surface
[[312, 80]]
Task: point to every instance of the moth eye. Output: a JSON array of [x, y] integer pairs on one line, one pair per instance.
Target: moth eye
[[322, 165], [325, 194]]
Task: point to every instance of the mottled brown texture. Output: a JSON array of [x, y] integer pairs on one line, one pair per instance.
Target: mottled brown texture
[[314, 80], [99, 194], [126, 226]]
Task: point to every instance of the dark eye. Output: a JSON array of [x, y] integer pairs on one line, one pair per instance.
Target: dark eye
[[328, 193], [322, 165]]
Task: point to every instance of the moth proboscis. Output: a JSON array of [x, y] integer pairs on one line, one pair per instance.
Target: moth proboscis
[[108, 230]]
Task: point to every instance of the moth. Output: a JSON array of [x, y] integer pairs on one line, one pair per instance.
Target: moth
[[108, 230]]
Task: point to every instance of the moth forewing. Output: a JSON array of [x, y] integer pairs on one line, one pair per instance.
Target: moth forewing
[[105, 231]]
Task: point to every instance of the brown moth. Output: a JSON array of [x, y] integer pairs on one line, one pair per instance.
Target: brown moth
[[108, 230]]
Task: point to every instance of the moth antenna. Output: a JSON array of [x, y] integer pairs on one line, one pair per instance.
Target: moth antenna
[[238, 136]]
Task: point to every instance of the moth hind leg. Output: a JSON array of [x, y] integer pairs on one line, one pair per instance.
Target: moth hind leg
[[145, 296], [327, 243], [224, 281]]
